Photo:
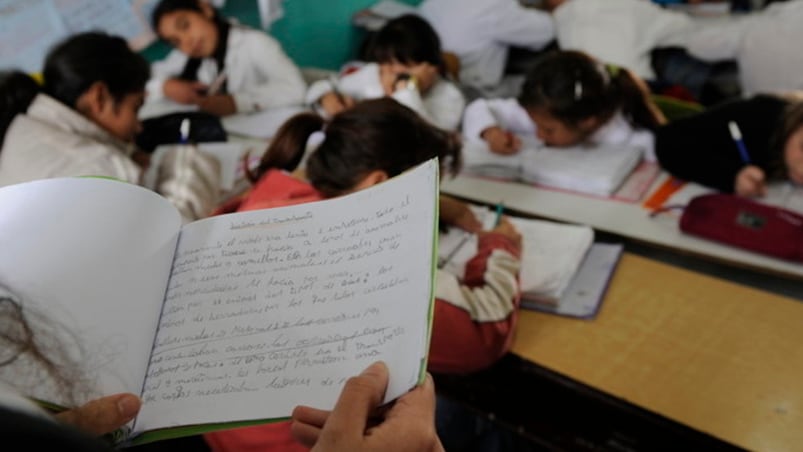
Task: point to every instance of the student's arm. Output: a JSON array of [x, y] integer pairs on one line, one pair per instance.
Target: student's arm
[[190, 180], [475, 317], [445, 104], [163, 70], [522, 27], [282, 84], [717, 41]]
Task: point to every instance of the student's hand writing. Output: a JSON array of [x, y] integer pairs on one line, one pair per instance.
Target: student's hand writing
[[506, 228], [103, 415], [356, 424], [332, 103], [750, 182], [184, 91], [501, 141], [219, 104], [457, 213]]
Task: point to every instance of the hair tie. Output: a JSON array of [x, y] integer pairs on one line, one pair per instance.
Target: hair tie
[[612, 70]]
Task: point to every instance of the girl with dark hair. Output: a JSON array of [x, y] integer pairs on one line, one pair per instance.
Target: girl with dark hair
[[407, 64], [700, 148], [221, 66], [84, 120], [569, 98], [475, 313]]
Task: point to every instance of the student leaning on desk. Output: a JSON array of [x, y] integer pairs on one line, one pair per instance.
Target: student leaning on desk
[[475, 314], [568, 98], [218, 65], [82, 121], [702, 149]]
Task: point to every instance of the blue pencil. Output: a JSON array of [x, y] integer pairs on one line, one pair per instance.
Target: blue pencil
[[499, 209], [736, 134]]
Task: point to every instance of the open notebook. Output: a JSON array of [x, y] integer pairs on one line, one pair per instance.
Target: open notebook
[[597, 170], [552, 253]]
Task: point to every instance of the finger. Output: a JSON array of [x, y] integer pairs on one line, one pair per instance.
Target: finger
[[305, 434], [359, 397], [417, 406], [309, 415], [103, 415]]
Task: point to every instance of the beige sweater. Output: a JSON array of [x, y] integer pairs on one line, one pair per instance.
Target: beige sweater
[[52, 140]]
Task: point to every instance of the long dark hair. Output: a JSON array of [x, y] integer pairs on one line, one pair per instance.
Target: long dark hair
[[408, 39], [171, 6], [571, 87], [378, 134], [71, 67], [792, 122]]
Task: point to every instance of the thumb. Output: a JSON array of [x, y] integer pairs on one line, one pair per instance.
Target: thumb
[[103, 415]]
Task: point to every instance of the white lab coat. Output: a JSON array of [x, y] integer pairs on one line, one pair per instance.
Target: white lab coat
[[510, 115], [480, 32], [621, 32], [766, 45], [259, 74], [442, 105]]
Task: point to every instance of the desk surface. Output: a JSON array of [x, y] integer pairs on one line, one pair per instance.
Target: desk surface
[[721, 358], [624, 219]]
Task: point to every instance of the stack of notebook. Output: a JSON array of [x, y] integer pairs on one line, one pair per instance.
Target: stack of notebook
[[597, 170]]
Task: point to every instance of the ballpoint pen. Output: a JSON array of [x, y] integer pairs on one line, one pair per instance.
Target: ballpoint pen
[[184, 131], [499, 209], [736, 134]]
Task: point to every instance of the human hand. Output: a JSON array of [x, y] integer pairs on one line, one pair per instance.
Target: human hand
[[357, 423], [501, 141], [507, 229], [219, 104], [103, 415], [184, 91], [750, 182], [333, 103], [457, 213]]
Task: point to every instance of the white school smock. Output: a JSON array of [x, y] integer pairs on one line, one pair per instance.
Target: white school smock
[[621, 32], [442, 105], [259, 74], [510, 115], [766, 46], [480, 32]]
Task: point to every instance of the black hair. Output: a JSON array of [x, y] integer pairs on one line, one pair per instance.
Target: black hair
[[377, 134], [72, 66], [86, 58], [571, 86], [792, 122], [170, 6], [408, 39], [17, 91]]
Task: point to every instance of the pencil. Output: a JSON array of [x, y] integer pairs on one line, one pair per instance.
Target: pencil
[[499, 209], [736, 134]]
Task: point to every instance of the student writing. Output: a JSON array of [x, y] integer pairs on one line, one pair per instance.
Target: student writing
[[83, 121], [700, 148], [258, 74], [407, 64], [475, 313], [568, 98]]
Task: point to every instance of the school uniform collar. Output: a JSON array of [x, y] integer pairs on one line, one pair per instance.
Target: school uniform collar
[[57, 115]]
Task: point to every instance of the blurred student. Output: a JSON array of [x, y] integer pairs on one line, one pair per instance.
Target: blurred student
[[568, 98], [83, 122], [481, 32], [765, 45], [620, 32], [218, 65], [701, 148], [407, 425], [407, 64], [475, 314]]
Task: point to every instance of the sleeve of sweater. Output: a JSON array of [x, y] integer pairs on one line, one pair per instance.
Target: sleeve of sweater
[[475, 318]]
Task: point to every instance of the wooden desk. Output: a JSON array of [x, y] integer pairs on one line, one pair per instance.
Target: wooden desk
[[623, 219], [721, 358]]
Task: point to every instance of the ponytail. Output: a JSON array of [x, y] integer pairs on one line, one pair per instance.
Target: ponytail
[[288, 146], [17, 91], [635, 101]]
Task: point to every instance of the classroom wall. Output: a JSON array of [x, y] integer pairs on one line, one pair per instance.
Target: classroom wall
[[314, 33]]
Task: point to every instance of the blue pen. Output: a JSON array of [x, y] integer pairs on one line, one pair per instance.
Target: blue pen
[[736, 134], [499, 209], [184, 130]]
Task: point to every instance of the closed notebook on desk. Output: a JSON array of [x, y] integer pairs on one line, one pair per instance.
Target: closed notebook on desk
[[597, 170]]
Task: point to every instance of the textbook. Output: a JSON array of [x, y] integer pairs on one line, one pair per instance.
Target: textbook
[[551, 253], [227, 321], [591, 169]]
